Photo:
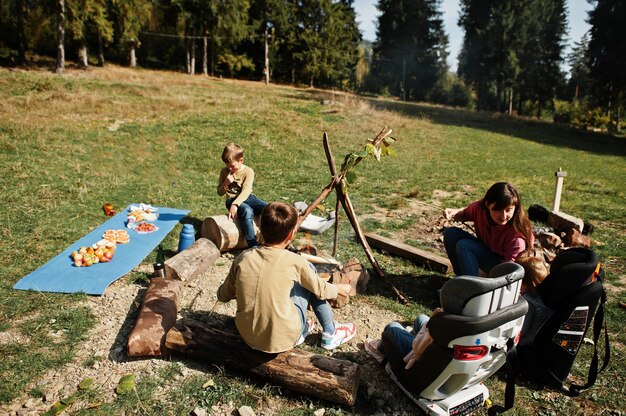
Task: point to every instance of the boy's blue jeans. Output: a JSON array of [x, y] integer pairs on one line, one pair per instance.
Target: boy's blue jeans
[[467, 253], [246, 212], [301, 297], [404, 338]]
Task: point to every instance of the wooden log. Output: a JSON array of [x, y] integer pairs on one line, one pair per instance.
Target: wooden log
[[430, 260], [193, 261], [225, 233], [562, 222], [156, 316], [327, 378], [354, 274]]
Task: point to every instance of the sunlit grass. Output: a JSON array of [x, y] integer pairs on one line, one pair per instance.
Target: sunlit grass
[[70, 143]]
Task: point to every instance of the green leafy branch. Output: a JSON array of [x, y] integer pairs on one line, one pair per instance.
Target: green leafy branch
[[377, 147]]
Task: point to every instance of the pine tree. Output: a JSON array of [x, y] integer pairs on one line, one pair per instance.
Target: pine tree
[[512, 51], [541, 53], [131, 17], [410, 52], [607, 55], [578, 59]]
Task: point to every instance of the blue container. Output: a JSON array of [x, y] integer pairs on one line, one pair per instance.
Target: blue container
[[187, 237]]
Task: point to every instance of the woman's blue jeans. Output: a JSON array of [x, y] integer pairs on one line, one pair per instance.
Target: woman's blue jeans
[[403, 338], [245, 213], [467, 253]]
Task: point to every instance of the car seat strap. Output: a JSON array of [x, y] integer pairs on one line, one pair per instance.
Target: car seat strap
[[598, 323], [509, 392]]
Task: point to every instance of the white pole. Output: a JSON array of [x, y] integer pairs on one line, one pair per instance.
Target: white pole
[[558, 189]]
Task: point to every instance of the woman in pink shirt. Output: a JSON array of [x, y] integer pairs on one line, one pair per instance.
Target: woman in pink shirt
[[503, 231]]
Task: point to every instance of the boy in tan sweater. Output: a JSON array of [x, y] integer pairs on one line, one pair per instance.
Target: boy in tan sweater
[[274, 288], [235, 182]]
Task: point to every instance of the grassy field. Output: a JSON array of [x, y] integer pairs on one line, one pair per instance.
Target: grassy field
[[70, 143]]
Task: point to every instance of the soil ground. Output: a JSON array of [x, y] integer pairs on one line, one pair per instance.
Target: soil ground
[[116, 313]]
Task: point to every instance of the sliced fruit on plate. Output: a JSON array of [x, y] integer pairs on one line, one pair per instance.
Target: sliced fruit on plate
[[145, 227], [116, 236]]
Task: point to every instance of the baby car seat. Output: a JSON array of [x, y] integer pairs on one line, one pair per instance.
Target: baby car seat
[[572, 290], [482, 319]]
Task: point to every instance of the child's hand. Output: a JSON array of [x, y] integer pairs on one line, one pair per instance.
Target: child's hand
[[449, 213], [410, 359], [344, 289], [232, 212]]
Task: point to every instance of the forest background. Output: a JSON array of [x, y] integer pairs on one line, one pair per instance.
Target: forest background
[[510, 61]]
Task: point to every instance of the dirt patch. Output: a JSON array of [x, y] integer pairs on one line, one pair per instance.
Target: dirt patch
[[8, 337], [104, 357]]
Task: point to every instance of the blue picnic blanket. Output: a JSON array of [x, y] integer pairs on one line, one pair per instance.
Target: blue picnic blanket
[[60, 275]]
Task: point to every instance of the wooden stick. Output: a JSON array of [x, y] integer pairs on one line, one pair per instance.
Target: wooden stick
[[429, 260], [338, 183], [375, 142], [349, 210], [333, 171], [322, 196], [329, 156], [336, 235]]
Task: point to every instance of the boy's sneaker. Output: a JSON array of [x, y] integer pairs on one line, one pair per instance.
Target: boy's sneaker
[[310, 325], [343, 333]]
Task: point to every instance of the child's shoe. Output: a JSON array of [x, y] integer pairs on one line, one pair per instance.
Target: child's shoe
[[310, 325], [343, 333], [372, 347]]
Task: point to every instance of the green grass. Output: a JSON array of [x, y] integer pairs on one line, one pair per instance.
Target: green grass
[[68, 144]]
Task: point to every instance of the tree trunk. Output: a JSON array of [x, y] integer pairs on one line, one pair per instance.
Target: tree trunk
[[266, 68], [328, 378], [60, 62], [212, 56], [133, 57], [100, 50], [21, 35], [205, 56], [83, 61], [192, 61]]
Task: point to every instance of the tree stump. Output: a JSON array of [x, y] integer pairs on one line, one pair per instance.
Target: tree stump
[[324, 377], [226, 233]]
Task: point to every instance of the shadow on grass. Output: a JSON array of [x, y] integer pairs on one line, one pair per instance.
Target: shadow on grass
[[533, 130], [538, 131], [422, 289]]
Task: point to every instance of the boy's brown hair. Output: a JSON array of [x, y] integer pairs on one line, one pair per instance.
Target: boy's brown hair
[[277, 221], [535, 270], [232, 151]]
